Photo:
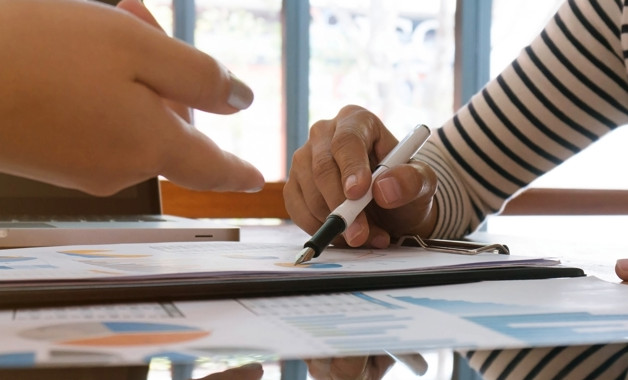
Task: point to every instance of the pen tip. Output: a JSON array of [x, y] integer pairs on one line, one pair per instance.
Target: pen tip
[[305, 255]]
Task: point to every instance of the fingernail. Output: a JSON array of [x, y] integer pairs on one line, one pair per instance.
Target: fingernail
[[350, 182], [353, 231], [254, 190], [390, 189], [241, 96]]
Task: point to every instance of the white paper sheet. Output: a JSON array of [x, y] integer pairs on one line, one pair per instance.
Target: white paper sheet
[[232, 259], [484, 315]]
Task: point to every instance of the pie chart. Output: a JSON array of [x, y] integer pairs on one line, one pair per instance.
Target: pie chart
[[12, 259], [115, 333], [100, 254]]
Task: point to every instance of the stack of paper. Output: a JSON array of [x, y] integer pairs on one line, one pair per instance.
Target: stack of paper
[[176, 271]]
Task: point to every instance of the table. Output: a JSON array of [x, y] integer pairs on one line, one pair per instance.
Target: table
[[576, 252]]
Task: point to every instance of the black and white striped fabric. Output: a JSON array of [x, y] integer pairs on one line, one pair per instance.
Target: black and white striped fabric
[[565, 90], [609, 362]]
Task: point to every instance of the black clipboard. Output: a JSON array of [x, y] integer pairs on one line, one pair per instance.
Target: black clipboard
[[58, 293], [77, 292]]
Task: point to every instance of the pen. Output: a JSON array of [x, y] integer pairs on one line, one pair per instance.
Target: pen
[[345, 214]]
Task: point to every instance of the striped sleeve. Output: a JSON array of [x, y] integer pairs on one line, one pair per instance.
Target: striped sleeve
[[563, 92]]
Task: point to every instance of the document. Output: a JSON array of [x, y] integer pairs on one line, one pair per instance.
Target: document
[[175, 271], [229, 259], [481, 315]]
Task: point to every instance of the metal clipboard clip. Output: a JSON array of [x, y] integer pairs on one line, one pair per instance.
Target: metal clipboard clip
[[452, 246]]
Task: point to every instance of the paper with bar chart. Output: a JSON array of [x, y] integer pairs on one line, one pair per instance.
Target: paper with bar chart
[[229, 259], [481, 315], [156, 272]]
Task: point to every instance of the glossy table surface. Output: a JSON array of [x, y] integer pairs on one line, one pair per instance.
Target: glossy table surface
[[591, 243]]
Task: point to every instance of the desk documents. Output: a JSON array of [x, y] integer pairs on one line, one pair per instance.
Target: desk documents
[[56, 276], [481, 315]]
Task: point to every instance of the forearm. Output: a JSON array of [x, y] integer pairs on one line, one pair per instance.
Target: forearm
[[560, 95]]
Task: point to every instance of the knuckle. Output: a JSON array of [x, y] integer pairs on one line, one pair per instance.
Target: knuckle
[[300, 159], [359, 118], [427, 178], [323, 166], [349, 110], [320, 129]]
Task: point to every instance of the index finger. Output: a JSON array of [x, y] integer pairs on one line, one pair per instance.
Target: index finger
[[180, 72], [360, 142], [139, 10], [204, 166]]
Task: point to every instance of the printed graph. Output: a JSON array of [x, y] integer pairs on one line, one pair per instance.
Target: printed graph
[[114, 333], [100, 254], [533, 325]]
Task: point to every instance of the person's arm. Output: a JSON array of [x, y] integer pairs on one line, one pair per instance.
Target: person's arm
[[563, 92], [82, 91], [335, 164]]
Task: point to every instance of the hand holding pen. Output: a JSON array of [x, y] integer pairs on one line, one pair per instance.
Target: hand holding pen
[[344, 215], [336, 164]]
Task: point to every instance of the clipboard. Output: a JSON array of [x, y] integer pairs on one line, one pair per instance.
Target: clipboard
[[462, 247], [168, 288]]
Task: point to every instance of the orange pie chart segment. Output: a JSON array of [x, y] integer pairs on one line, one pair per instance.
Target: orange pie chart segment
[[115, 333]]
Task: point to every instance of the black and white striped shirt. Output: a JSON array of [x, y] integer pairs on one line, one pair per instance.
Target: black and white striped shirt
[[565, 90]]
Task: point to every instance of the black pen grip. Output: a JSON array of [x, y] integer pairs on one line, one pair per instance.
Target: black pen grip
[[333, 226]]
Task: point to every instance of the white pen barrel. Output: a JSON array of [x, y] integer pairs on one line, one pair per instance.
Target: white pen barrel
[[407, 147], [400, 154]]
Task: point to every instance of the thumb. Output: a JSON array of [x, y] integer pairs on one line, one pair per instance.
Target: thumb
[[621, 268], [205, 166]]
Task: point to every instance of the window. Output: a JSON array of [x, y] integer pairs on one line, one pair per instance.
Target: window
[[392, 57], [514, 25], [246, 37]]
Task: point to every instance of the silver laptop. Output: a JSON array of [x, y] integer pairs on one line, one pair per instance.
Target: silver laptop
[[37, 214]]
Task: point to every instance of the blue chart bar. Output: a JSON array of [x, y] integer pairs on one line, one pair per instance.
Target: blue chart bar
[[363, 333], [552, 328], [534, 326], [343, 325], [328, 304], [18, 359], [348, 322]]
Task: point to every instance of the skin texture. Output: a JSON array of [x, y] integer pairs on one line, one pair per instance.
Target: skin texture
[[106, 119], [353, 368], [336, 164], [621, 268], [83, 105], [251, 371]]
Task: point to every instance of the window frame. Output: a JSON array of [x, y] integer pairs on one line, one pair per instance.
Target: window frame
[[472, 58], [471, 73]]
